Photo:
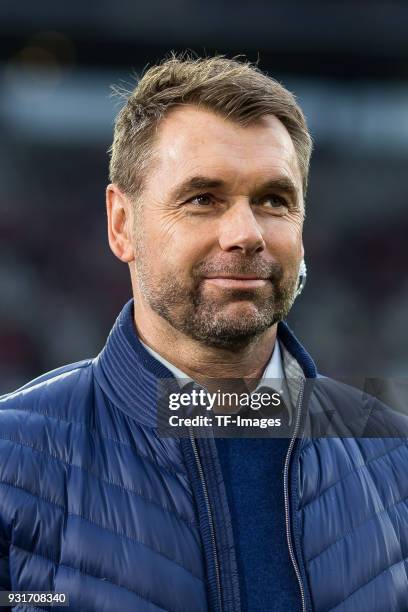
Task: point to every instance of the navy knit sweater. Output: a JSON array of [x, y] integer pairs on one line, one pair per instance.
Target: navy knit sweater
[[253, 475]]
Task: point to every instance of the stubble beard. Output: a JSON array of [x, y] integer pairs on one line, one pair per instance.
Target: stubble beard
[[206, 317]]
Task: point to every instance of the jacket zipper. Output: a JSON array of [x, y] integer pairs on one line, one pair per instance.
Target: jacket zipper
[[210, 518], [286, 496]]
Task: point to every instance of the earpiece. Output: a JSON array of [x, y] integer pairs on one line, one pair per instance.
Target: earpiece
[[302, 277]]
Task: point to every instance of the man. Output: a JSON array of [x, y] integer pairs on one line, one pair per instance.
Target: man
[[209, 172]]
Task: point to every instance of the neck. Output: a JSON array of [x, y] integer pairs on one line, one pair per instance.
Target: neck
[[203, 363]]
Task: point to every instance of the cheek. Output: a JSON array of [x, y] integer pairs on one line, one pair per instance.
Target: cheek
[[285, 241], [186, 239], [174, 249]]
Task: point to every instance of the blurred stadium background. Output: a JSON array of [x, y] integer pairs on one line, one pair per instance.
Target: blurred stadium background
[[347, 62]]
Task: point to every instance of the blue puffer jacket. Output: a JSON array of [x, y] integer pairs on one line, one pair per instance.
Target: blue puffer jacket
[[95, 504]]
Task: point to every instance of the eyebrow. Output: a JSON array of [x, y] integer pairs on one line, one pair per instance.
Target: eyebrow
[[284, 184], [198, 183]]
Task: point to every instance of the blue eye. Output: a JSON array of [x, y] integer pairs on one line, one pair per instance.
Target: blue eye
[[276, 201], [202, 199]]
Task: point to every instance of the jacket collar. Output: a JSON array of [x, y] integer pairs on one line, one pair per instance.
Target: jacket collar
[[129, 374]]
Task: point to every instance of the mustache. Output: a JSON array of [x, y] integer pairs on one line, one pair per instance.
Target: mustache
[[255, 266]]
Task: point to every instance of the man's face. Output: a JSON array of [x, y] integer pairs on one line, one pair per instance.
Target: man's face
[[218, 235]]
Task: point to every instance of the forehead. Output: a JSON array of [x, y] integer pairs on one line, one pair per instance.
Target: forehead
[[192, 140]]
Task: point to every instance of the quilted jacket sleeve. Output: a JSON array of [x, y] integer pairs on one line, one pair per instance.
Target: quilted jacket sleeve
[[5, 526], [5, 584], [4, 567], [4, 570]]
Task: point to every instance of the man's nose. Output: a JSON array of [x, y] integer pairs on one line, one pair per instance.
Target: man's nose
[[239, 229]]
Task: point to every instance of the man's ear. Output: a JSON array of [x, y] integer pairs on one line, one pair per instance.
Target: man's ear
[[120, 219]]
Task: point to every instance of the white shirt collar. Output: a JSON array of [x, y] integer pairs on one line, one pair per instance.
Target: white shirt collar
[[272, 377], [273, 373]]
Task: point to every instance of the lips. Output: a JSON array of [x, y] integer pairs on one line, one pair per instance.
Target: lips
[[237, 276], [237, 282]]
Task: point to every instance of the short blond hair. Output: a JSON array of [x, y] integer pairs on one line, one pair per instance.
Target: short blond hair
[[235, 89]]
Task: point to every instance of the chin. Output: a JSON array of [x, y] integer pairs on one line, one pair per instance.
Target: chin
[[243, 321], [238, 310]]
